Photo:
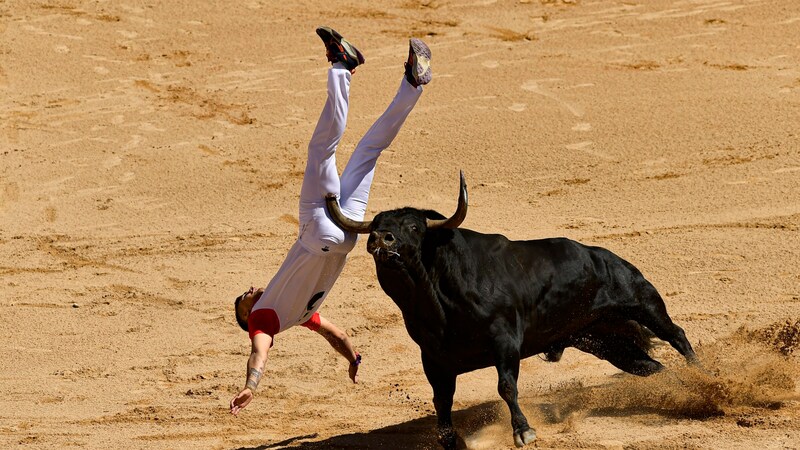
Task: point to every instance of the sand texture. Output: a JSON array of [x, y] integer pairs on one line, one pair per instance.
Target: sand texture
[[151, 155]]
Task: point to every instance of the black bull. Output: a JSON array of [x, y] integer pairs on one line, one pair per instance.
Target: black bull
[[473, 300]]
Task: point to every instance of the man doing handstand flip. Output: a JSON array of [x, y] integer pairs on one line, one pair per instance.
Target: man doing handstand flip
[[317, 257]]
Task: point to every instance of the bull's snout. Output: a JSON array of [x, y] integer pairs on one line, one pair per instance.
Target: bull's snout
[[382, 236], [382, 245]]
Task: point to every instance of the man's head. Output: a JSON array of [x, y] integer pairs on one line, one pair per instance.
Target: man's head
[[244, 303]]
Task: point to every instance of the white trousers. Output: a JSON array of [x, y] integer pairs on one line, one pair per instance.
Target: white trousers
[[318, 233]]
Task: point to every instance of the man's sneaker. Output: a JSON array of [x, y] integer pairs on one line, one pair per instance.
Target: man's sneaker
[[418, 66], [339, 50]]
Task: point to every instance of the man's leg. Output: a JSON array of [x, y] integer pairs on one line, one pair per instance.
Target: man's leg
[[321, 175], [360, 170]]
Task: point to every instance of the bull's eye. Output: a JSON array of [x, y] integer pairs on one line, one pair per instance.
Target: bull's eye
[[414, 228]]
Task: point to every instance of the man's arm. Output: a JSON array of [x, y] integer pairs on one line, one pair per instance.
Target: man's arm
[[255, 369], [341, 343]]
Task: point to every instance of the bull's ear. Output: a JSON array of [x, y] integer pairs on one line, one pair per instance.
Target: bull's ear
[[461, 211], [343, 222], [431, 214]]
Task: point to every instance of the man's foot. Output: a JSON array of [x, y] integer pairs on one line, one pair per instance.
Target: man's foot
[[339, 50], [418, 66]]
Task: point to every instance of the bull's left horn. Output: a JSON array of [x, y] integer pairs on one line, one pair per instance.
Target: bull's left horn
[[461, 210], [345, 223]]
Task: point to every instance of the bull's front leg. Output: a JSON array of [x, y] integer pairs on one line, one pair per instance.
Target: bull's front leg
[[507, 364], [444, 386]]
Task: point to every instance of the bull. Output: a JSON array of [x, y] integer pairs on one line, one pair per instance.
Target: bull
[[472, 300]]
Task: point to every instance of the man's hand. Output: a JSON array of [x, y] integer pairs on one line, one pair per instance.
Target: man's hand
[[241, 400], [353, 372]]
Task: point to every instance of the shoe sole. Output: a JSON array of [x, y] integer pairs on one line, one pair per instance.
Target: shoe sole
[[346, 53], [421, 70]]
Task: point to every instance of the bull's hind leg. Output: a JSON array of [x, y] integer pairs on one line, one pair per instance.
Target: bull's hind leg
[[642, 366], [653, 315], [622, 352], [507, 364]]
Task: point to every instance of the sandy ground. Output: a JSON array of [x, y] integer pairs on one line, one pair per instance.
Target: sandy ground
[[151, 156]]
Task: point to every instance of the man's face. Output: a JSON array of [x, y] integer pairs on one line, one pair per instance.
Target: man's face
[[249, 298]]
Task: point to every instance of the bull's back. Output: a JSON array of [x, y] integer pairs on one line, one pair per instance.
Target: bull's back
[[524, 269], [554, 286], [542, 260]]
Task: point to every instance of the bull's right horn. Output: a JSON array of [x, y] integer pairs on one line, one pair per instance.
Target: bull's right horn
[[343, 222], [461, 210]]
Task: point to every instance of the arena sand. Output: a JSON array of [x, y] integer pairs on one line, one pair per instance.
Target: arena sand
[[150, 161]]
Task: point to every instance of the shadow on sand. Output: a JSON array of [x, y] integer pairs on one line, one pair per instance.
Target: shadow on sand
[[421, 433], [414, 434]]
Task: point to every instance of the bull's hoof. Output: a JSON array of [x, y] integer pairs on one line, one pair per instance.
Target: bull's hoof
[[448, 439], [524, 437]]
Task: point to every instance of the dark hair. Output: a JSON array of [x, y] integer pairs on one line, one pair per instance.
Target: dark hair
[[242, 323]]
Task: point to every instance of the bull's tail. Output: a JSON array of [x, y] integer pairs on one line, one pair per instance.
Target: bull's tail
[[653, 315]]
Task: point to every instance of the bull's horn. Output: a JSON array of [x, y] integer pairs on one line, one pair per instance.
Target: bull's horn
[[345, 223], [461, 210]]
